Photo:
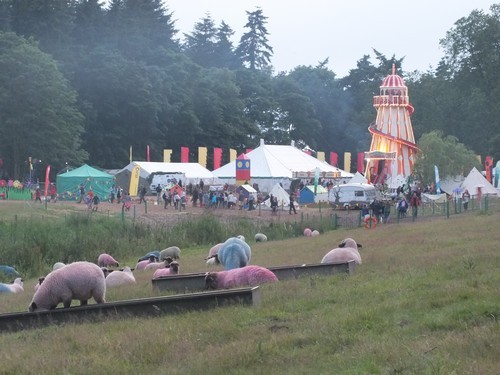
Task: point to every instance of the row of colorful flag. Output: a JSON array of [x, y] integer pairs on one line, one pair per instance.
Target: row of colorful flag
[[217, 157]]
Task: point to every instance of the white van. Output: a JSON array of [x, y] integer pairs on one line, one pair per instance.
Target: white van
[[352, 195]]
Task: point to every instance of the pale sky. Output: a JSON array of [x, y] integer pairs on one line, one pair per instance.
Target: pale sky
[[307, 32]]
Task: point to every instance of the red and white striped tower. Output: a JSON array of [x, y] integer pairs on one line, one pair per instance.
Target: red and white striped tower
[[393, 149]]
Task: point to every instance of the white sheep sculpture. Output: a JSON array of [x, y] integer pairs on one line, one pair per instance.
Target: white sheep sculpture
[[78, 280], [346, 252], [120, 278], [16, 287]]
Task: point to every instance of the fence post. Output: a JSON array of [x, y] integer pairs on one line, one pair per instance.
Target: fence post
[[447, 209], [145, 206]]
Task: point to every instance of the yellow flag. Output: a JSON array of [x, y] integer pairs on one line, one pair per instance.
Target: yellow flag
[[232, 154], [167, 154], [134, 181], [202, 156], [320, 155], [347, 161]]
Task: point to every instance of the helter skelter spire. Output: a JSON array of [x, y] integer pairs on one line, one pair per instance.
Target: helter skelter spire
[[392, 151]]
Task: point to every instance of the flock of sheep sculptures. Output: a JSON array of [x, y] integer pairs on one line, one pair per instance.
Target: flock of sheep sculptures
[[85, 280]]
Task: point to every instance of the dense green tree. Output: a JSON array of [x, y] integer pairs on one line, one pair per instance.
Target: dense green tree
[[471, 61], [5, 15], [89, 22], [38, 112], [48, 21], [225, 56], [253, 49], [220, 110], [450, 156]]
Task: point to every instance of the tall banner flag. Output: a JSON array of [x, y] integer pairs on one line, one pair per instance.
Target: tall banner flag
[[361, 162], [47, 181], [130, 153], [232, 154], [184, 154], [334, 158], [217, 157], [134, 181], [438, 182], [167, 155], [316, 180], [488, 166], [242, 170], [347, 161], [202, 156], [147, 153], [320, 155]]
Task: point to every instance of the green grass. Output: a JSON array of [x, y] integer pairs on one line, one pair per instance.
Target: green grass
[[426, 300]]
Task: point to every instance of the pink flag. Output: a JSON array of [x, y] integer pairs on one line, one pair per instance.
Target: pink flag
[[147, 153], [361, 162], [217, 157], [248, 150], [334, 158], [184, 154]]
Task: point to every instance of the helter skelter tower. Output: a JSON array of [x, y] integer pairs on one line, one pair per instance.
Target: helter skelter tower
[[393, 149]]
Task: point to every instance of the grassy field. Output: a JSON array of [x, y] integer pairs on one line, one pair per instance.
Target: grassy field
[[426, 300]]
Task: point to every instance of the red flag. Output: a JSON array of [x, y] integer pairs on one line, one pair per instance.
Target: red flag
[[184, 154], [217, 157], [361, 162], [47, 181], [147, 153], [334, 158]]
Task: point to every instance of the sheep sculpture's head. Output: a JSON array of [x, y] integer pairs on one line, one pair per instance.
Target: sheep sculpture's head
[[210, 280], [349, 242]]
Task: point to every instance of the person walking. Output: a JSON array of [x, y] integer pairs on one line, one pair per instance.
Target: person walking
[[465, 199], [414, 203], [292, 203]]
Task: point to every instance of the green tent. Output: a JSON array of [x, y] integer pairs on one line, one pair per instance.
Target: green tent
[[68, 184]]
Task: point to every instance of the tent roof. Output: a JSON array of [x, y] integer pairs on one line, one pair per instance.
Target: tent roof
[[275, 161], [475, 179], [86, 171], [190, 170], [248, 188], [358, 177], [319, 190]]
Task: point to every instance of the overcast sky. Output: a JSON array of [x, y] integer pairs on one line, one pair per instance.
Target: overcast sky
[[307, 32]]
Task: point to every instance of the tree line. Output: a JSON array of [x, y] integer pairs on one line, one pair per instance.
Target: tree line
[[82, 82]]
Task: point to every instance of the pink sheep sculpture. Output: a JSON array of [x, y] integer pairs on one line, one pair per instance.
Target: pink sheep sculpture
[[79, 280], [239, 277], [307, 232], [141, 265], [119, 278], [172, 270], [346, 252], [106, 260]]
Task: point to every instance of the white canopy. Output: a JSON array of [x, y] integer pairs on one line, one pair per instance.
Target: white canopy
[[193, 172], [276, 163], [281, 194]]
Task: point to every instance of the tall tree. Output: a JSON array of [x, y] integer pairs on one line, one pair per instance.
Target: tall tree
[[199, 46], [253, 49], [138, 27], [224, 49], [472, 55], [89, 22], [450, 156], [38, 111]]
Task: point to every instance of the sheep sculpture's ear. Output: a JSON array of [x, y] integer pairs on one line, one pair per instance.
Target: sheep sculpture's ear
[[342, 244], [359, 245]]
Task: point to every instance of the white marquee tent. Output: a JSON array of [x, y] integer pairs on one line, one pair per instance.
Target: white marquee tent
[[192, 172], [271, 164]]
